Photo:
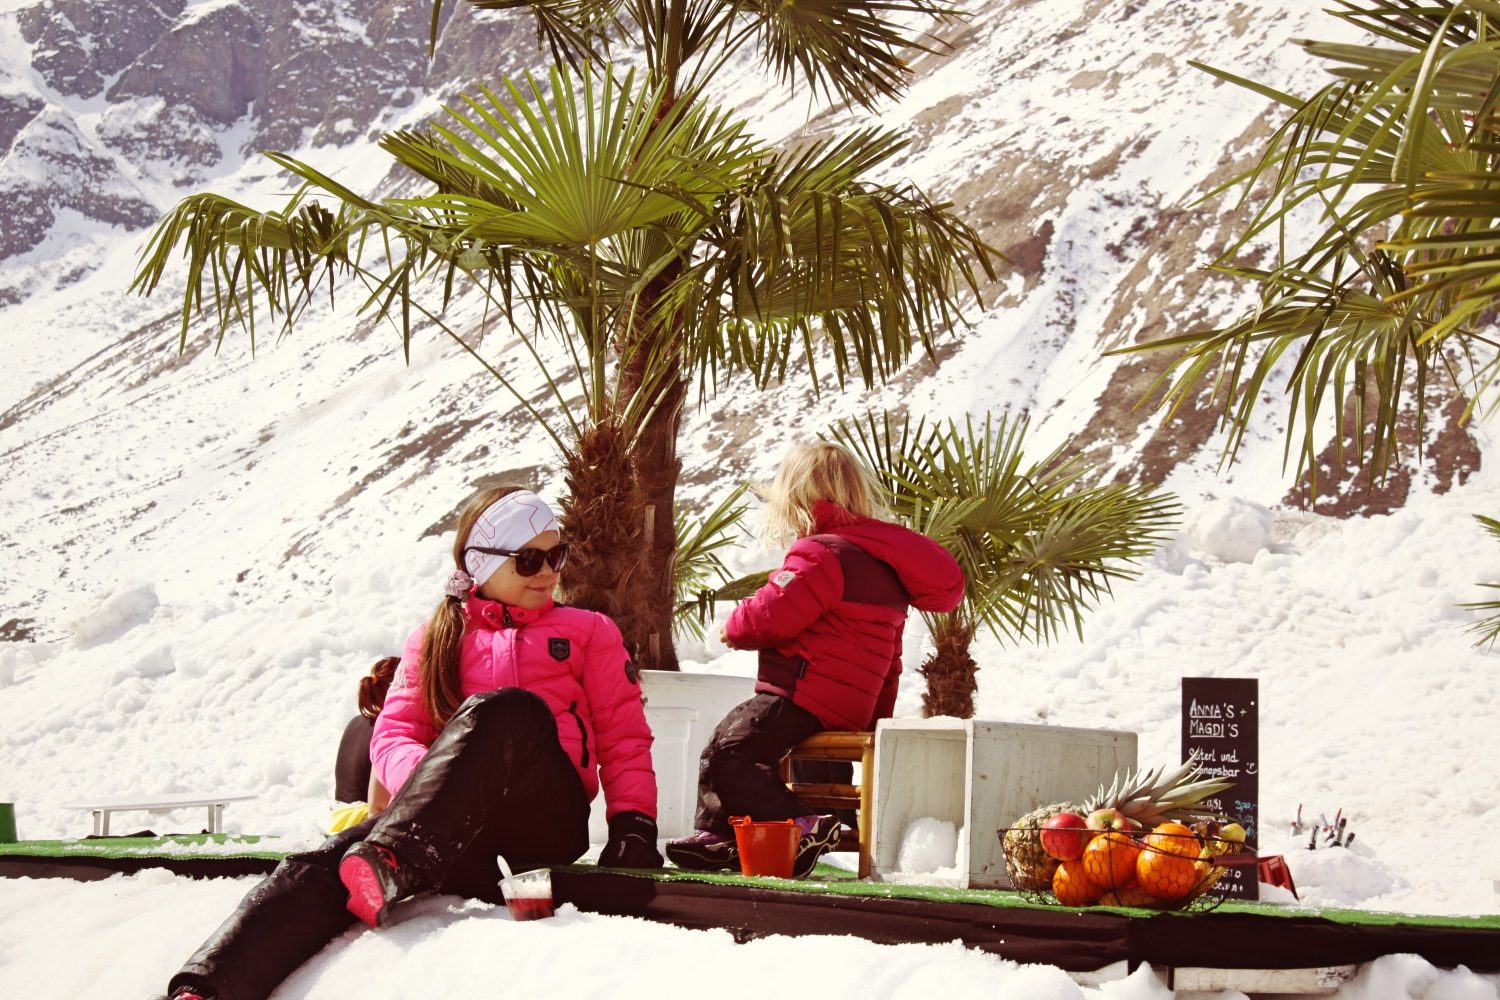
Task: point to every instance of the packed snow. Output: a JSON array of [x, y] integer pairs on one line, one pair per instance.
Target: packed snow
[[204, 609]]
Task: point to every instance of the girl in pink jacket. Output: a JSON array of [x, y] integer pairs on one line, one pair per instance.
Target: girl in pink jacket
[[828, 627], [506, 715]]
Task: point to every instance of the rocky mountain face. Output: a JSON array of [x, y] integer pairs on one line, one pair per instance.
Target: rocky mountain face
[[1072, 133], [120, 99]]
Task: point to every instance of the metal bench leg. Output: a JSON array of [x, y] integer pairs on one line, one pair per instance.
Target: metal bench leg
[[101, 822], [216, 818]]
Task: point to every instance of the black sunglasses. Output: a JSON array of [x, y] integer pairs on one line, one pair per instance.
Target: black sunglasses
[[528, 561]]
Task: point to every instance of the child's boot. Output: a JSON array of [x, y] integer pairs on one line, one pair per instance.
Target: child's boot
[[819, 835], [376, 881], [704, 851]]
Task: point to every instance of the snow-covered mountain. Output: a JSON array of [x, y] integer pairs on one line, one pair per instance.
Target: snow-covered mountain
[[201, 551], [1073, 134]]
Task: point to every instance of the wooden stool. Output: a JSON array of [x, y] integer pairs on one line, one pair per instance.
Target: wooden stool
[[857, 748]]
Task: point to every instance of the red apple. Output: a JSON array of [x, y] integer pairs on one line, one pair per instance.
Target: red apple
[[1064, 836], [1111, 819]]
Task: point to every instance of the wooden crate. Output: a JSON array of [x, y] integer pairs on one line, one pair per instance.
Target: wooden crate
[[981, 776]]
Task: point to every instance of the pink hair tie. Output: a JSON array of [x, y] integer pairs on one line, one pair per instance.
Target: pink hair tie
[[459, 584]]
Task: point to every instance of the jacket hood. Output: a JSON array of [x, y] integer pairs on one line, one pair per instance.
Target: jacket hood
[[928, 571]]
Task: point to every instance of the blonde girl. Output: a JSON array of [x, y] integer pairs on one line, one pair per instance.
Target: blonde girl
[[827, 628]]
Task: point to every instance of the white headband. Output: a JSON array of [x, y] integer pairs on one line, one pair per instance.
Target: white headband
[[508, 523]]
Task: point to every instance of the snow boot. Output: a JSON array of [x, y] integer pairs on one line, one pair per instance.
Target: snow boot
[[704, 851], [376, 881], [819, 835]]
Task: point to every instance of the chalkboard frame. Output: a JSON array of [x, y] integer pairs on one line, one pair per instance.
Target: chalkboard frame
[[1221, 721]]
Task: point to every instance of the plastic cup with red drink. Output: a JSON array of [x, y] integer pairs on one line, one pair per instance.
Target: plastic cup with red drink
[[528, 895]]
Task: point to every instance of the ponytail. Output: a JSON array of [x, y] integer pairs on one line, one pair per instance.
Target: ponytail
[[439, 664], [374, 685]]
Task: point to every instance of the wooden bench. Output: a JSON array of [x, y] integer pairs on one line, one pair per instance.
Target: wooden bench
[[102, 807], [856, 748]]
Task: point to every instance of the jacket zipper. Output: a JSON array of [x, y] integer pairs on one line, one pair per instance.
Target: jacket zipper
[[583, 734]]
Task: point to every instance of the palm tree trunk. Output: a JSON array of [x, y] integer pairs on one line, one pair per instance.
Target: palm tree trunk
[[602, 513], [950, 670], [655, 470]]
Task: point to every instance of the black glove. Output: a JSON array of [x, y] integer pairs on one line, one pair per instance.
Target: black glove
[[632, 842]]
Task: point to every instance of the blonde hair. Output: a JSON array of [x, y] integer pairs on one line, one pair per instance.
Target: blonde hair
[[813, 472], [441, 676]]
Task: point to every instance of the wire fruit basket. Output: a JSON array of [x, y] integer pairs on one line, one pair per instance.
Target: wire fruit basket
[[1162, 869]]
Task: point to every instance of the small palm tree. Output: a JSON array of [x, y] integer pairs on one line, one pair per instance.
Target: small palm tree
[[1037, 545], [1378, 203], [1487, 629], [648, 229], [702, 578]]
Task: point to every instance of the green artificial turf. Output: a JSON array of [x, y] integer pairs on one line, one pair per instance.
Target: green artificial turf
[[199, 845], [825, 879], [828, 879]]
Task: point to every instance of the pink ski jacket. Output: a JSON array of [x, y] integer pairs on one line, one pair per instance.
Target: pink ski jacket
[[829, 622], [574, 660]]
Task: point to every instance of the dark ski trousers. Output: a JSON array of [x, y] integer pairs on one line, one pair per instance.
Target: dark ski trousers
[[496, 781], [738, 773]]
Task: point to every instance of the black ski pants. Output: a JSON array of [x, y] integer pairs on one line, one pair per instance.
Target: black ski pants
[[738, 773], [496, 781]]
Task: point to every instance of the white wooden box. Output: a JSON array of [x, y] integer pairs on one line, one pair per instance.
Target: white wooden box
[[982, 776], [683, 710]]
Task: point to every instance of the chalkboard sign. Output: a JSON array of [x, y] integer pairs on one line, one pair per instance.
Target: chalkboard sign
[[1221, 720]]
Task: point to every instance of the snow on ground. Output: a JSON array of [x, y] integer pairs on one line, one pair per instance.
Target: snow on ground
[[214, 552], [123, 937], [1372, 700]]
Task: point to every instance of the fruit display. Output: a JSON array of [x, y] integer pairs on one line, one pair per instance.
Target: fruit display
[[1144, 841]]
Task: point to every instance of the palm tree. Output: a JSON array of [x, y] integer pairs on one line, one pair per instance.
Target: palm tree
[[1377, 203], [1486, 629], [1038, 547], [650, 230]]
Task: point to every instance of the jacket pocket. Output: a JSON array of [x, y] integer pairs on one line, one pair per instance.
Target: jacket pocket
[[583, 735]]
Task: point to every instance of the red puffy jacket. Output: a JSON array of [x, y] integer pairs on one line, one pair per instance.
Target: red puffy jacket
[[829, 622]]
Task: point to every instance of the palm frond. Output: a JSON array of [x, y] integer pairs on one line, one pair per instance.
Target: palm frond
[[1037, 548], [574, 31], [578, 162], [855, 52], [1486, 629], [808, 251], [699, 576], [1398, 160]]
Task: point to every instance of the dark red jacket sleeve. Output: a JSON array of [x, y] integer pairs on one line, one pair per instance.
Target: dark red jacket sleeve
[[808, 583]]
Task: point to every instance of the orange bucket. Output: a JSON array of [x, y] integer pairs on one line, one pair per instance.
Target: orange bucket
[[766, 848]]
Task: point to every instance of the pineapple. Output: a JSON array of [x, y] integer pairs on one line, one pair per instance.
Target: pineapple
[[1030, 867], [1148, 797]]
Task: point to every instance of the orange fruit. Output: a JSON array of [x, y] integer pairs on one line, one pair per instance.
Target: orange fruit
[[1174, 838], [1169, 877], [1133, 896], [1109, 860], [1072, 886]]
